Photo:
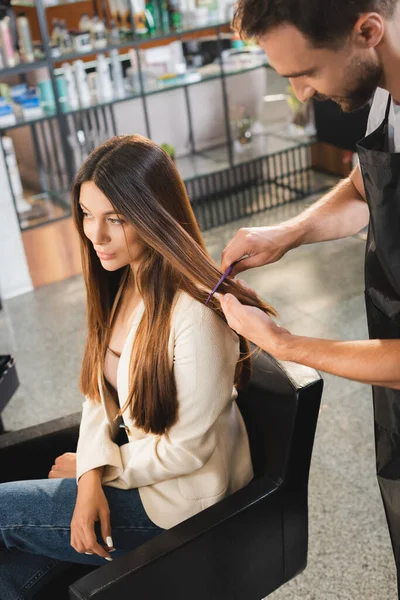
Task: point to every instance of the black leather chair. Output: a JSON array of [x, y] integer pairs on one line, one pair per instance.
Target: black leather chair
[[242, 548]]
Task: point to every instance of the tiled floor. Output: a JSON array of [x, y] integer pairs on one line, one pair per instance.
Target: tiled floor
[[318, 291]]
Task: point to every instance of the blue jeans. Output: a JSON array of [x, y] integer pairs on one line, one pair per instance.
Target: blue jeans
[[35, 519]]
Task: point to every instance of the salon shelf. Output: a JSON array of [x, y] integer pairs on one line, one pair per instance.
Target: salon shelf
[[161, 88], [22, 68], [138, 42], [47, 4], [212, 160], [164, 86], [21, 122]]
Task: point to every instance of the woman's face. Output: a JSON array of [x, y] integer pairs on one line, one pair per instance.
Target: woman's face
[[114, 239]]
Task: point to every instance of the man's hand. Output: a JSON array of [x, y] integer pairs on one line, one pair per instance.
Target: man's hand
[[256, 326], [64, 467], [262, 245]]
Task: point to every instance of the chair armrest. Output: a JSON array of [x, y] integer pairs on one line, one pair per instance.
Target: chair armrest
[[173, 560], [29, 453]]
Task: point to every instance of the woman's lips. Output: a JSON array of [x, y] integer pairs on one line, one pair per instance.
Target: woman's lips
[[104, 255]]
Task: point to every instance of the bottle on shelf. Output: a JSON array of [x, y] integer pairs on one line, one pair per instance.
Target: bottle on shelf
[[103, 80], [132, 72], [175, 11], [81, 82], [25, 38], [55, 32], [152, 8], [21, 204], [99, 33], [117, 73], [150, 23], [188, 9], [10, 56], [66, 43], [164, 16], [85, 23], [72, 92], [113, 36], [139, 11]]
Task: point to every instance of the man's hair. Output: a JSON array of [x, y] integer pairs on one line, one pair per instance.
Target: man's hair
[[324, 22]]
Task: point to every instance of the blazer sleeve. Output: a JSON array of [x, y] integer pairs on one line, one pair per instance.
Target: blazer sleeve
[[95, 445], [206, 352]]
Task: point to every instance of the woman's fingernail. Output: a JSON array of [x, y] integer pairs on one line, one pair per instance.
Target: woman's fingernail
[[108, 558], [113, 550], [89, 553], [109, 541]]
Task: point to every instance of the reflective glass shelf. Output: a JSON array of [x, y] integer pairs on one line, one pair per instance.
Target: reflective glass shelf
[[151, 88], [22, 68]]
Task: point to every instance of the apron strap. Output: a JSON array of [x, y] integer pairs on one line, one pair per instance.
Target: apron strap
[[389, 104]]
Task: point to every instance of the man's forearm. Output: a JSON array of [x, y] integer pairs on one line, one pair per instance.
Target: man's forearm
[[375, 362], [340, 213]]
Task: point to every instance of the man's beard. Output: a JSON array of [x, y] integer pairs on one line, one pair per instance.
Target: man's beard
[[369, 78]]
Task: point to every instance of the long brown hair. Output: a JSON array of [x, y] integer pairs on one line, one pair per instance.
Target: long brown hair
[[143, 184]]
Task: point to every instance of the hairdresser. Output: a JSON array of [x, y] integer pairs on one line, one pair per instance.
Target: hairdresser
[[348, 52]]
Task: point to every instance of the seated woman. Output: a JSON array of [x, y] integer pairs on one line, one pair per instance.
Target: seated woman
[[158, 362]]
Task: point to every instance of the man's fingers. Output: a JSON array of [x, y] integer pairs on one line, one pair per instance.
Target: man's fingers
[[244, 264], [231, 306]]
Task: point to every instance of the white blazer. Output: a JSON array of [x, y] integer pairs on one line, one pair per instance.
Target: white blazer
[[205, 456]]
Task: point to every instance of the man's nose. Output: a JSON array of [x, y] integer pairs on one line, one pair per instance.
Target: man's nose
[[303, 91]]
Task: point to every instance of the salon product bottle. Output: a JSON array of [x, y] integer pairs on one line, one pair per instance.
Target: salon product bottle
[[133, 71], [21, 204], [25, 38], [103, 79], [72, 92], [84, 23], [164, 15], [55, 32], [175, 14], [81, 82], [117, 74], [152, 8], [10, 57], [114, 34], [150, 23], [188, 8], [66, 42], [99, 33]]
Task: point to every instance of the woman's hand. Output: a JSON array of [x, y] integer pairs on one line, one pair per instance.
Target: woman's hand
[[91, 506], [64, 466], [256, 326]]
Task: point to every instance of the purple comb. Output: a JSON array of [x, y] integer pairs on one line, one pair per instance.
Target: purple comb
[[224, 276]]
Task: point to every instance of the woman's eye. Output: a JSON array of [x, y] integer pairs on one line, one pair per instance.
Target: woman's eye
[[85, 214], [116, 221]]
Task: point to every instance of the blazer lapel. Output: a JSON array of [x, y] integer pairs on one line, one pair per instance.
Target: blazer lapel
[[124, 361]]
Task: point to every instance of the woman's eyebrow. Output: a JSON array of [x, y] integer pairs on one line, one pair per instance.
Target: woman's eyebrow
[[104, 214]]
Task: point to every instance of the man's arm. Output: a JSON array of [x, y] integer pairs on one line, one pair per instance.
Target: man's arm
[[374, 362], [340, 213]]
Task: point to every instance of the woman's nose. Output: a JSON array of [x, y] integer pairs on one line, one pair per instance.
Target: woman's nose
[[98, 234]]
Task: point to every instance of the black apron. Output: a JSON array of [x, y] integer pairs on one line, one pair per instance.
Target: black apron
[[381, 174]]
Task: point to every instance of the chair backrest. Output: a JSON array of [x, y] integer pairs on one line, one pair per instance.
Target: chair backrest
[[280, 424]]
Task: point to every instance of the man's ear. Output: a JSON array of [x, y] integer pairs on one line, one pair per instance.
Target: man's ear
[[368, 30]]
